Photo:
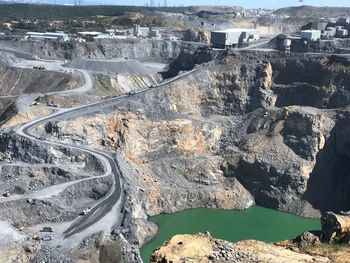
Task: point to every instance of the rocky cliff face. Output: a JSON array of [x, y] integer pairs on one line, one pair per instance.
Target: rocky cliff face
[[106, 48], [240, 129], [117, 84], [21, 179], [15, 81], [228, 129], [197, 36]]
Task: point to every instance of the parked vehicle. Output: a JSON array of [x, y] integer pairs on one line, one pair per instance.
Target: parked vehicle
[[47, 237], [85, 211], [47, 229], [39, 67]]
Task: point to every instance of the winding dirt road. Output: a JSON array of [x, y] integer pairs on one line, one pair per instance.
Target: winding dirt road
[[111, 166]]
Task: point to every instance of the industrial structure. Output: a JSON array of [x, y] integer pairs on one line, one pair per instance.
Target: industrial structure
[[140, 31], [315, 26], [233, 37], [90, 36], [155, 33], [342, 32], [311, 35], [329, 32], [329, 29], [48, 36]]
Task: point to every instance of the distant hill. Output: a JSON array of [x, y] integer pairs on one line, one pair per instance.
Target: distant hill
[[36, 11], [217, 9], [313, 11]]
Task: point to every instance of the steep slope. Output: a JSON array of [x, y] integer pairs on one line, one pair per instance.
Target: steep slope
[[314, 11], [105, 48]]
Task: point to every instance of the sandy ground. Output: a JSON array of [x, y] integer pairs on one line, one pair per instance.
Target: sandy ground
[[124, 66], [8, 234]]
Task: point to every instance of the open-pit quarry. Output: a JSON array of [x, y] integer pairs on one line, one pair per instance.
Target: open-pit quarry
[[94, 144]]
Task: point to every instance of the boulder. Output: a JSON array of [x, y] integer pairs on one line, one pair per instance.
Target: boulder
[[335, 228]]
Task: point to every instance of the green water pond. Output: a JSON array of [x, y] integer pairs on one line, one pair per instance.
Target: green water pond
[[254, 223]]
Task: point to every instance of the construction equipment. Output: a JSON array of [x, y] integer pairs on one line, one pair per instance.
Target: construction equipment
[[47, 229], [85, 211], [39, 67]]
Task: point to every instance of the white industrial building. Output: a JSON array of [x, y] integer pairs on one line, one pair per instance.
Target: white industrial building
[[120, 32], [287, 43], [92, 35], [48, 36], [311, 35], [232, 37], [155, 33], [330, 32], [140, 31], [342, 32]]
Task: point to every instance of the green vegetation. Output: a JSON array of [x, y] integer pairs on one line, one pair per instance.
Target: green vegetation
[[49, 12], [73, 19]]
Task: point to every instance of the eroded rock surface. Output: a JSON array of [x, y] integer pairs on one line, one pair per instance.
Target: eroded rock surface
[[240, 129], [203, 248]]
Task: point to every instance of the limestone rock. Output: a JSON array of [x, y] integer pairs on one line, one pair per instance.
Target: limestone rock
[[201, 248], [335, 228]]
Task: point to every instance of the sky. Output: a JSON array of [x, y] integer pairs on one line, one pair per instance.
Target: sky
[[244, 3], [284, 3]]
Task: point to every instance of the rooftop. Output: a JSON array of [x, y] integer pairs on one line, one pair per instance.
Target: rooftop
[[236, 29], [46, 34], [89, 33], [311, 31]]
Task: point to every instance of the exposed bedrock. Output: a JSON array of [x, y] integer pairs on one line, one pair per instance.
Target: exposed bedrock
[[329, 184], [309, 81], [18, 154], [20, 148], [65, 206], [106, 48], [218, 136], [274, 159], [239, 131], [187, 59], [16, 81], [211, 140]]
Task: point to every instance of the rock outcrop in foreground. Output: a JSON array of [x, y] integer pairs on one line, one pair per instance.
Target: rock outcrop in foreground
[[203, 248], [335, 228], [307, 247]]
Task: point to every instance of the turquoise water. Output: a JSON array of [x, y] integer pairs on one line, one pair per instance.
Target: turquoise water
[[254, 223]]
